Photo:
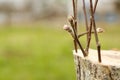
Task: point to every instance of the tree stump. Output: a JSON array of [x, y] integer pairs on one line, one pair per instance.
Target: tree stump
[[88, 68]]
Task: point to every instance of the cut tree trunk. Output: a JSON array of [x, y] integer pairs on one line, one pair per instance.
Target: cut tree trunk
[[88, 68]]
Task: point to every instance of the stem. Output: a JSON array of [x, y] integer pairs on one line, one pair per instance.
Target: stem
[[90, 28], [75, 15], [74, 8], [96, 2], [84, 33], [85, 15], [76, 38], [75, 21], [96, 35]]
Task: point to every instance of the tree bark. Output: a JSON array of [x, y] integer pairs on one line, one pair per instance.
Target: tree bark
[[88, 68]]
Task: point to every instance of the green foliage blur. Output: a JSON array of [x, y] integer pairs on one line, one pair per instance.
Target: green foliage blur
[[44, 52]]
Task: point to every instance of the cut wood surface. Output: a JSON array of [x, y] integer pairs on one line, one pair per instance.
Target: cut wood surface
[[88, 68]]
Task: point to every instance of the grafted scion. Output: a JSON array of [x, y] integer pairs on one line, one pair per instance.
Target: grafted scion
[[89, 27]]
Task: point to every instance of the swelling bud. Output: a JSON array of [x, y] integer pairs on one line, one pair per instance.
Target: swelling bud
[[100, 30]]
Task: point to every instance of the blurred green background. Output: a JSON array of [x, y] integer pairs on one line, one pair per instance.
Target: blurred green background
[[44, 53], [33, 45]]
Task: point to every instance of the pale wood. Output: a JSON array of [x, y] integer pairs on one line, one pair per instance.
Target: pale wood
[[89, 68]]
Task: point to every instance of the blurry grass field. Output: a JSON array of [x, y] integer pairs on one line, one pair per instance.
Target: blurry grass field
[[43, 53]]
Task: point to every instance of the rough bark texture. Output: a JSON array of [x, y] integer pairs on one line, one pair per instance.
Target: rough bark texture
[[89, 69]]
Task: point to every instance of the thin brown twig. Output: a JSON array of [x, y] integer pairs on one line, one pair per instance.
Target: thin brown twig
[[76, 38], [96, 2], [76, 9], [84, 33], [96, 35], [90, 28], [75, 13], [75, 44], [75, 21], [85, 15], [73, 1]]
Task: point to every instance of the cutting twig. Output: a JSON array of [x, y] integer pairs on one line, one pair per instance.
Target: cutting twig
[[75, 21], [90, 27], [75, 35], [85, 15], [99, 30], [96, 35]]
